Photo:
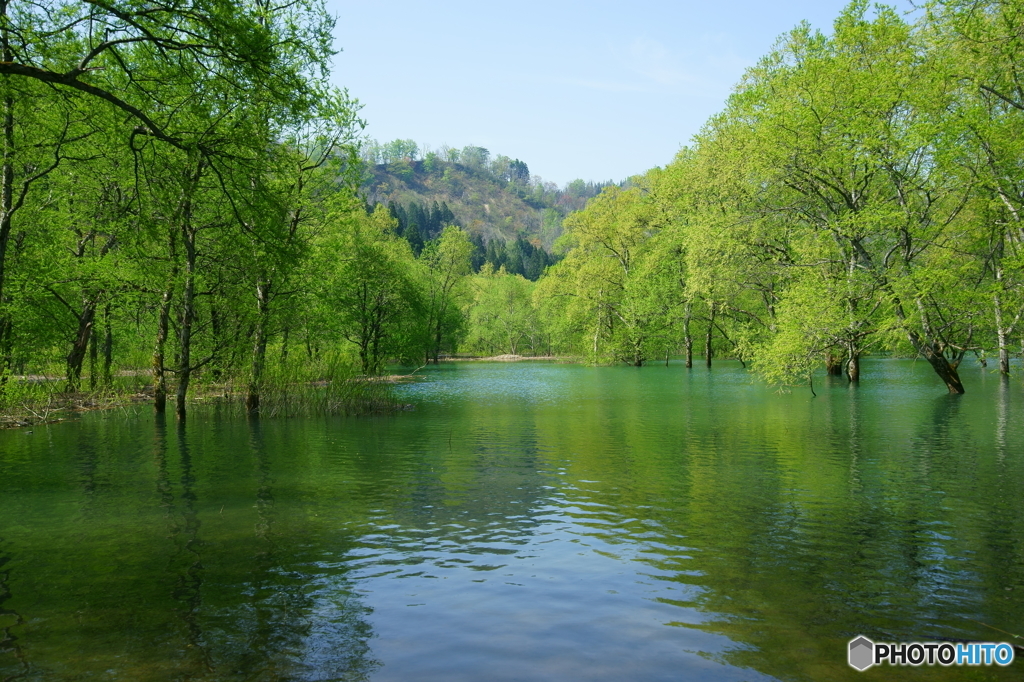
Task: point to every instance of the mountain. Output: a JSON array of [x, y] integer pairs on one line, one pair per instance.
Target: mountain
[[512, 217]]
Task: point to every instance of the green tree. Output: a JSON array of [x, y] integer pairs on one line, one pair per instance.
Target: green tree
[[501, 316], [370, 296], [446, 263]]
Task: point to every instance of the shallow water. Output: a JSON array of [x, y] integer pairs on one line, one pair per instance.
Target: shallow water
[[527, 521]]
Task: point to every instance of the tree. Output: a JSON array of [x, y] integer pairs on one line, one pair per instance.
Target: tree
[[446, 262], [501, 315], [370, 294], [608, 240], [979, 45], [837, 155]]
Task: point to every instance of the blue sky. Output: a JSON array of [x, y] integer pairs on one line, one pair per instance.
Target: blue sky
[[594, 90]]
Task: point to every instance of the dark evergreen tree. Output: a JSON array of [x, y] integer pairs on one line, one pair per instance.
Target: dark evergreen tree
[[447, 217], [436, 224], [479, 255], [413, 235], [496, 253], [514, 256]]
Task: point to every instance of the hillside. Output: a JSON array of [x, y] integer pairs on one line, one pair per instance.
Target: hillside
[[497, 202]]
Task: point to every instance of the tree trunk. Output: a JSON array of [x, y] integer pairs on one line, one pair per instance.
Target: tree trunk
[[94, 356], [1002, 333], [259, 348], [188, 291], [853, 368], [687, 338], [187, 317], [163, 323], [930, 349], [833, 365], [438, 336], [80, 346], [707, 337], [6, 178], [852, 363], [108, 348], [159, 371], [946, 371]]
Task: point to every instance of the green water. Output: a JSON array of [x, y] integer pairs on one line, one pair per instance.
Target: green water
[[524, 522]]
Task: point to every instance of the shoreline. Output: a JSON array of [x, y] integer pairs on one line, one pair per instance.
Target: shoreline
[[503, 358], [59, 407]]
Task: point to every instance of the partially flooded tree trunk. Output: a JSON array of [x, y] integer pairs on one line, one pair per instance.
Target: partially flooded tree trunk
[[932, 350], [853, 363], [188, 294], [853, 368], [259, 349], [687, 338], [163, 321], [1003, 331], [1004, 354], [438, 334], [946, 371], [183, 227], [707, 337], [159, 368], [833, 365]]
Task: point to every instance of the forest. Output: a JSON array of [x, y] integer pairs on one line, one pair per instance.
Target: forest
[[185, 200], [860, 193]]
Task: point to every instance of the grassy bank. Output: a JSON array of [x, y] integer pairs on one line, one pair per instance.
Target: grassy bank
[[329, 387]]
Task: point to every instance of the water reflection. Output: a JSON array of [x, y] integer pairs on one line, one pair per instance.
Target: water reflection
[[1002, 414], [538, 522], [186, 563], [13, 663]]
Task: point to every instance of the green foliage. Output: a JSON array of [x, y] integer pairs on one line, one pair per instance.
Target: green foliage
[[187, 200], [502, 319], [369, 297], [861, 192]]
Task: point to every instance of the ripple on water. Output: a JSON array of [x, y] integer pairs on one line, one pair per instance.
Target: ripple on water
[[532, 521]]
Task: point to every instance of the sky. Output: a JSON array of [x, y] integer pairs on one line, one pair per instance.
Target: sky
[[594, 90]]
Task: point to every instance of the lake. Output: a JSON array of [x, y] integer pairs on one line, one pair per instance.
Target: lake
[[525, 521]]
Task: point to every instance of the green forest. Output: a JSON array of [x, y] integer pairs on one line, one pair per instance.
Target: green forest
[[185, 201]]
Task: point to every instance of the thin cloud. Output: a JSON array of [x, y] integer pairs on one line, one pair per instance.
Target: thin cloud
[[655, 62], [705, 67], [606, 86]]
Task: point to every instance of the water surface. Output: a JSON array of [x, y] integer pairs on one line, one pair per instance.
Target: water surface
[[528, 521]]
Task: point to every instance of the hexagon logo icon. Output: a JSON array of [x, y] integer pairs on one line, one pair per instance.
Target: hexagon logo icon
[[862, 652]]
